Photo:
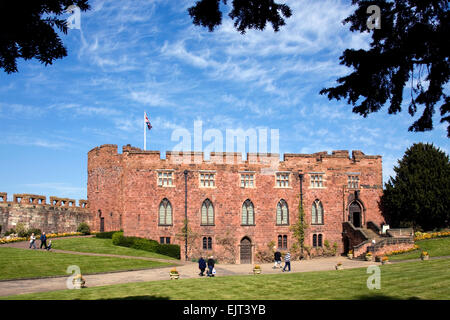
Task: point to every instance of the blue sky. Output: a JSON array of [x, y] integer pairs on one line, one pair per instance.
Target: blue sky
[[135, 56]]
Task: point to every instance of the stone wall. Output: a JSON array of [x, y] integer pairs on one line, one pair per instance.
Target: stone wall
[[59, 215], [124, 192]]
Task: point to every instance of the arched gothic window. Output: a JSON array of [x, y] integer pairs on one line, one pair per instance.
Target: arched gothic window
[[282, 213], [317, 212], [248, 213], [165, 213], [207, 213]]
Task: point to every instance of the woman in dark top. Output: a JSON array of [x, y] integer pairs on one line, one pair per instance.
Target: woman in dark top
[[201, 266], [210, 266]]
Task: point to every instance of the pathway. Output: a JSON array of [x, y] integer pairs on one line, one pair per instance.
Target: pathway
[[187, 270]]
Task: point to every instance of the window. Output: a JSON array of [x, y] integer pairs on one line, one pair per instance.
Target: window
[[282, 179], [282, 242], [316, 180], [353, 182], [165, 240], [248, 216], [207, 243], [165, 178], [317, 212], [207, 180], [207, 213], [165, 213], [282, 213], [317, 240], [247, 180]]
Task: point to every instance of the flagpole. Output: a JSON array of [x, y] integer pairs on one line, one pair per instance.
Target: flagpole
[[145, 134]]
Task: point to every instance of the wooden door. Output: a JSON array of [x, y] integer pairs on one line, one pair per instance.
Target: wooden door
[[246, 250]]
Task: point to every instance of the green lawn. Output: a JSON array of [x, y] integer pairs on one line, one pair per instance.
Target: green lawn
[[25, 263], [435, 247], [96, 245], [410, 280]]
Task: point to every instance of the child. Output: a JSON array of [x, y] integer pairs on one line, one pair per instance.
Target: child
[[32, 240], [49, 246]]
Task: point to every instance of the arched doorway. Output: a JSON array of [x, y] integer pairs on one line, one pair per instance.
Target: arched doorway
[[346, 241], [355, 216], [102, 221], [246, 250]]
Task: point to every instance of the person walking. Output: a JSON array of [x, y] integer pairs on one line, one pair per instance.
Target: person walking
[[287, 262], [43, 240], [49, 245], [277, 259], [210, 266], [201, 266], [32, 241]]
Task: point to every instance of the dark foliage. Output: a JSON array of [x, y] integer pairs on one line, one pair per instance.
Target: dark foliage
[[171, 250], [409, 50], [246, 14], [29, 30], [84, 228], [419, 195], [105, 235]]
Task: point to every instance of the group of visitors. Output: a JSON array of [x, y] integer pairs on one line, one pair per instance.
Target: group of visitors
[[287, 260], [202, 264], [43, 239]]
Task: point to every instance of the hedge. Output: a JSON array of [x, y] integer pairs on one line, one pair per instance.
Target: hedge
[[105, 235], [171, 250]]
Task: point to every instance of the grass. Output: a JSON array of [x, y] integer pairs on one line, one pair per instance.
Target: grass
[[25, 263], [411, 280], [435, 247], [96, 245]]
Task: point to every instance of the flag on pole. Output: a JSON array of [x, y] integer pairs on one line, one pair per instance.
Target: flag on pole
[[149, 126]]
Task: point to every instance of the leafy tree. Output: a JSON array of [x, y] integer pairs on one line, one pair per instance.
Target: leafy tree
[[299, 228], [408, 50], [28, 30], [248, 14], [186, 233], [419, 194]]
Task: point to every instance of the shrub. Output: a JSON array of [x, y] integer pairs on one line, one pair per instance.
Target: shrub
[[21, 230], [84, 228], [11, 231], [144, 244], [105, 235], [171, 250]]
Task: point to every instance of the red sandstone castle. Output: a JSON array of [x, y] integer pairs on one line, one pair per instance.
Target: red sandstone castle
[[236, 207]]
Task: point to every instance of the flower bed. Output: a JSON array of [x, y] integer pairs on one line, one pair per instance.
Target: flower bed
[[429, 235], [10, 239], [391, 253]]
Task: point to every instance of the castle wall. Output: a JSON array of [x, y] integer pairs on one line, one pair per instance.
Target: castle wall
[[126, 184], [59, 215]]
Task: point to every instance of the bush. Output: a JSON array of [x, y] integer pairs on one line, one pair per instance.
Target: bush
[[21, 230], [11, 231], [105, 235], [84, 228], [171, 250]]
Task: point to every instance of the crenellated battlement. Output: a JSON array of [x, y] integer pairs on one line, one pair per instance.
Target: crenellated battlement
[[39, 200], [111, 150]]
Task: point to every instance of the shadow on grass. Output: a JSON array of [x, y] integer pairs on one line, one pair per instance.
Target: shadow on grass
[[148, 297], [383, 297]]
